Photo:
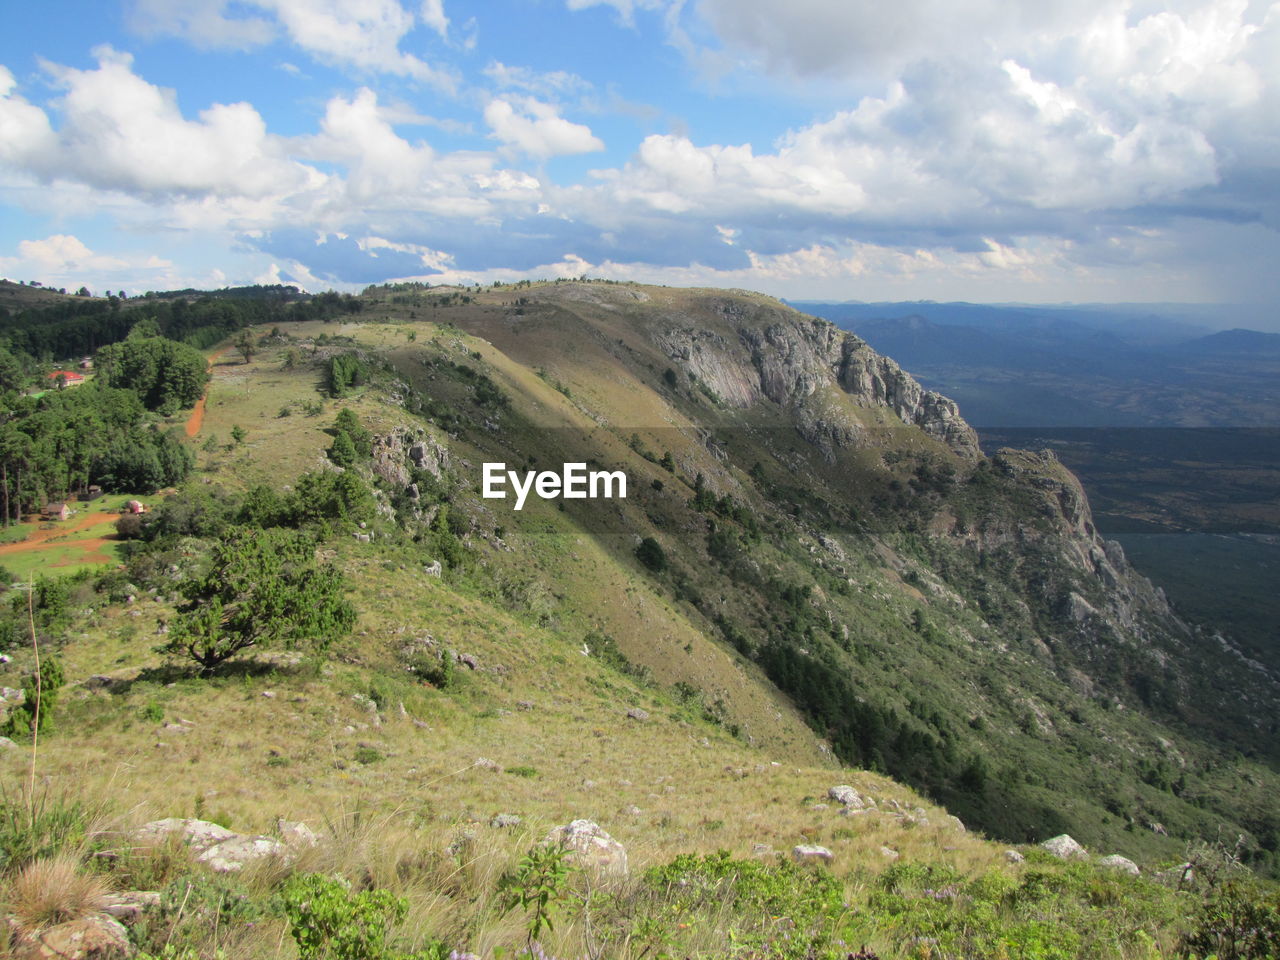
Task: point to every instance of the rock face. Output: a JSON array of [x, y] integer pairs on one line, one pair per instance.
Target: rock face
[[90, 938], [1065, 848], [787, 357], [1117, 862], [591, 848]]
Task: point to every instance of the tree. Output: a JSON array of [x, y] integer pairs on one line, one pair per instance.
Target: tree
[[343, 451], [246, 345], [651, 554], [161, 372], [263, 587]]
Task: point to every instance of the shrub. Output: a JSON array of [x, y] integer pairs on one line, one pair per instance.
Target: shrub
[[329, 922]]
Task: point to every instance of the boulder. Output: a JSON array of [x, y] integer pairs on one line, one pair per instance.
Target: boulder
[[591, 848], [638, 713], [1065, 848], [1117, 862], [1013, 856], [811, 852], [232, 855], [198, 834], [504, 820], [889, 853], [90, 938], [846, 796]]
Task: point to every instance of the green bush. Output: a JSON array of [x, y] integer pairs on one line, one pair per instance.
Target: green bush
[[330, 922]]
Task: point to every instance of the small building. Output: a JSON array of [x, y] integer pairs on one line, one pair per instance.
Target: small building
[[68, 377], [55, 511], [93, 493], [86, 363], [135, 506]]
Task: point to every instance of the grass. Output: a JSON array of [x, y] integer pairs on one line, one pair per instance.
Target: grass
[[55, 890]]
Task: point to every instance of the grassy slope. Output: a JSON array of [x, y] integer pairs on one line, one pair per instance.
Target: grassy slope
[[284, 740]]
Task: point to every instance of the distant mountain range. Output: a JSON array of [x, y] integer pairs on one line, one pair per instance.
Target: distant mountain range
[[1023, 366]]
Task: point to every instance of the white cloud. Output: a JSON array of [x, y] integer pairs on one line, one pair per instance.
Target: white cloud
[[64, 260], [365, 34], [361, 34], [433, 16], [121, 133], [626, 8], [25, 133], [534, 127], [203, 22]]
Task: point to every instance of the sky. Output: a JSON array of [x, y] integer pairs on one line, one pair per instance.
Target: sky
[[984, 150]]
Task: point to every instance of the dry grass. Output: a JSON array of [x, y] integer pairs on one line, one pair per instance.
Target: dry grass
[[55, 890]]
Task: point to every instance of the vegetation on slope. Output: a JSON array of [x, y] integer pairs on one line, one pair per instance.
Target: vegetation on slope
[[495, 659]]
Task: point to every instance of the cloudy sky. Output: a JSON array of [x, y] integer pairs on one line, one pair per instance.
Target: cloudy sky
[[989, 150]]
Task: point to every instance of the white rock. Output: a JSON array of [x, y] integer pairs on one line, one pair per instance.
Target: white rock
[[1013, 856], [591, 847], [231, 855], [846, 796], [889, 853], [1117, 862], [197, 834], [1065, 848], [807, 852]]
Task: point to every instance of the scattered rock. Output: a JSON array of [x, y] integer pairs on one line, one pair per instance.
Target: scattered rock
[[230, 856], [591, 847], [484, 763], [955, 823], [1065, 848], [638, 713], [846, 796], [269, 694], [1117, 862], [90, 938], [889, 853], [7, 744], [200, 835], [818, 806], [433, 569], [632, 811], [1013, 856], [761, 850], [505, 820]]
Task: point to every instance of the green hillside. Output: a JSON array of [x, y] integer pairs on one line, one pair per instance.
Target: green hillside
[[815, 579]]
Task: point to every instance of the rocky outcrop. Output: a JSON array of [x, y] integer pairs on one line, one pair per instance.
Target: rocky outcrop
[[398, 453], [786, 357]]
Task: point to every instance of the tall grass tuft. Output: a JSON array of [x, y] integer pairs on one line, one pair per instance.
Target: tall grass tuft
[[50, 891]]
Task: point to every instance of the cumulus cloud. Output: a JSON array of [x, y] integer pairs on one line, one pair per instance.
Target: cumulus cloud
[[65, 260], [536, 128], [119, 132]]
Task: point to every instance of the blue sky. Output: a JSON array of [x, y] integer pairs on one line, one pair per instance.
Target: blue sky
[[989, 150]]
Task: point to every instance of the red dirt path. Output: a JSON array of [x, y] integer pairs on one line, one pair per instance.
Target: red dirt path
[[41, 538], [196, 420]]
